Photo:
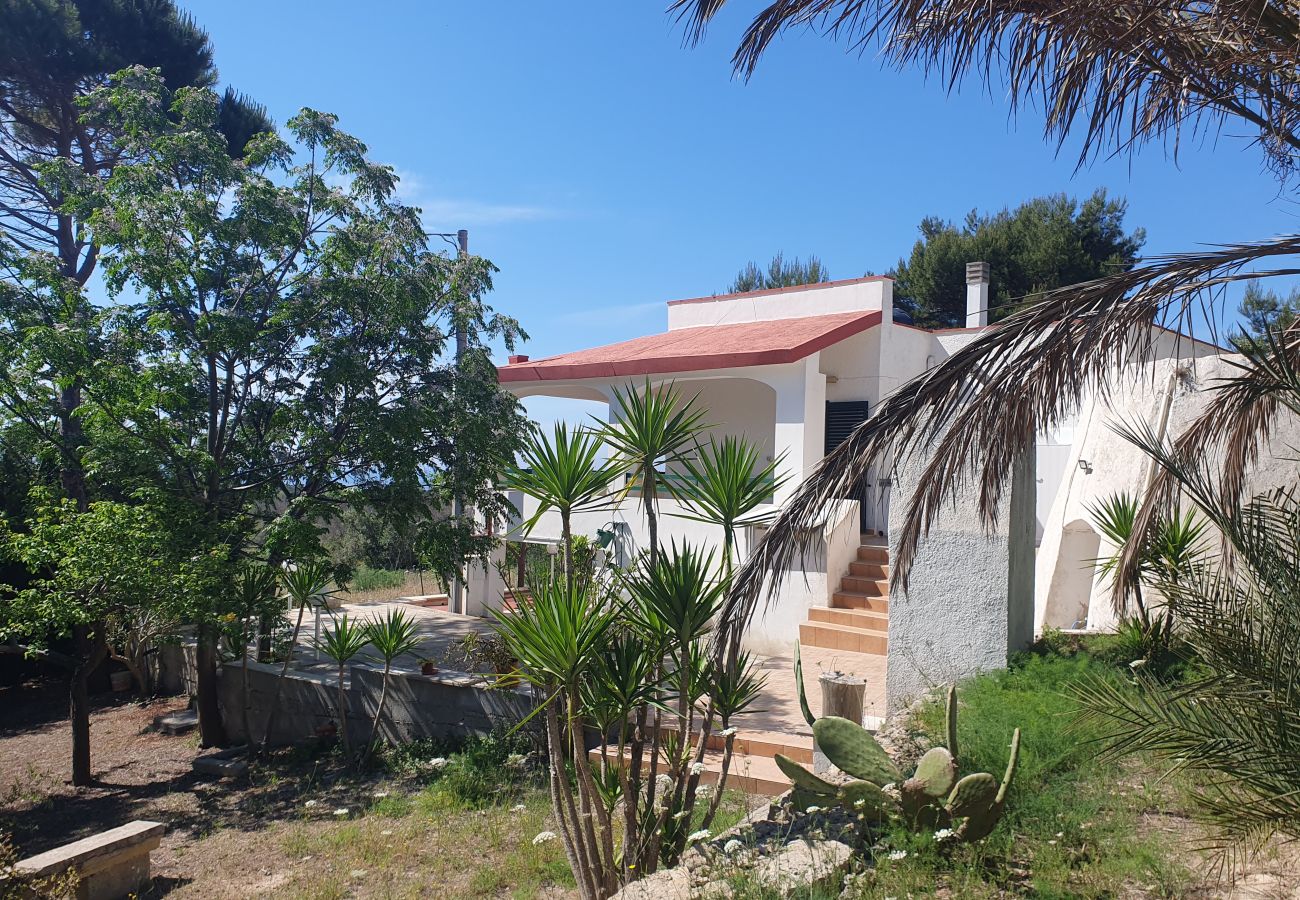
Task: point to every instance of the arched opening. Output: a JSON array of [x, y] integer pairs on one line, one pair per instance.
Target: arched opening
[[1072, 581]]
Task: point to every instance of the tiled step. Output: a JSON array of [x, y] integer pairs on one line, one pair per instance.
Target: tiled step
[[843, 637], [853, 600], [869, 570], [873, 587], [854, 618], [798, 747], [750, 774], [873, 553]]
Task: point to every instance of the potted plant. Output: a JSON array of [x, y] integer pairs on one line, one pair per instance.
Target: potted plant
[[428, 666]]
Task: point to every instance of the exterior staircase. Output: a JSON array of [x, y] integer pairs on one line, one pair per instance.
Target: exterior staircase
[[858, 618]]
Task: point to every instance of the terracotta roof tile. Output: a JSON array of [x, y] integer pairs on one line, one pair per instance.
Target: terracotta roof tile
[[692, 349]]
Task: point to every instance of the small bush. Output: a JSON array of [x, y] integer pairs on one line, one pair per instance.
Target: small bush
[[368, 579], [471, 774]]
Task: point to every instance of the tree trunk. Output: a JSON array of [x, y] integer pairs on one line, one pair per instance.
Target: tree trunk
[[91, 650], [212, 731]]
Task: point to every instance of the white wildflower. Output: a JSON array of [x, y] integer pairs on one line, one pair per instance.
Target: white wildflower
[[341, 811], [697, 768], [516, 761], [732, 846], [543, 837], [813, 809], [701, 835], [1060, 834], [703, 791], [728, 732], [896, 855], [519, 807], [380, 795], [663, 782], [386, 832], [310, 803], [943, 834], [437, 763], [681, 815]]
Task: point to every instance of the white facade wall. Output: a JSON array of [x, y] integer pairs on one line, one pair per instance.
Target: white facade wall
[[862, 295]]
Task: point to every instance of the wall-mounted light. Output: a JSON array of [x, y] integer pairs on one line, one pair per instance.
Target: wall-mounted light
[[1086, 466]]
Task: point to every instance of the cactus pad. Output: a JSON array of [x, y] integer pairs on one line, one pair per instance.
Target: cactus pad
[[867, 799], [852, 748], [973, 793], [936, 773], [803, 779]]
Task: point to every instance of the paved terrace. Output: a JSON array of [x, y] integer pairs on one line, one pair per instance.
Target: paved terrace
[[776, 719]]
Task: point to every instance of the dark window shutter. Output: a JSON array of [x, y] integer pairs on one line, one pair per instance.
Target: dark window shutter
[[841, 418]]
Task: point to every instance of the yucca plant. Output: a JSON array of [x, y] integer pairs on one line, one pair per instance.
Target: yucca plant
[[725, 482], [562, 473], [343, 643], [1236, 728], [305, 585], [393, 635], [653, 427], [1167, 551]]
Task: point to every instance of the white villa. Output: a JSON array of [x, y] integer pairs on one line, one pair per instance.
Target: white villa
[[794, 370]]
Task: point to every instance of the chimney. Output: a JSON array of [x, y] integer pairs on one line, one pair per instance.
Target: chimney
[[977, 294], [518, 358]]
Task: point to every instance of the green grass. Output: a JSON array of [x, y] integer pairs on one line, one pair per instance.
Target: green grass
[[368, 579], [1071, 826]]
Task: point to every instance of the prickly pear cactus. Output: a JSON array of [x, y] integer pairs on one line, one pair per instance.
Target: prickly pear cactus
[[932, 798]]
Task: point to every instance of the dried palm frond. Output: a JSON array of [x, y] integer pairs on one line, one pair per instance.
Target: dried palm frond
[[978, 412], [1124, 72]]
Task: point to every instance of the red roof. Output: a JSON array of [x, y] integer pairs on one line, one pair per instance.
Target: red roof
[[693, 349]]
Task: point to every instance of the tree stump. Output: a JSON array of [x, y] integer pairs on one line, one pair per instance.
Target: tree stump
[[842, 695]]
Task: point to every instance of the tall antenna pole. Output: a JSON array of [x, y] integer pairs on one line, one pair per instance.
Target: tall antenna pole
[[462, 342]]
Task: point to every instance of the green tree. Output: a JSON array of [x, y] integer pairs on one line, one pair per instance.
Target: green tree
[[53, 53], [284, 350], [1042, 244], [780, 273], [1264, 310], [106, 567]]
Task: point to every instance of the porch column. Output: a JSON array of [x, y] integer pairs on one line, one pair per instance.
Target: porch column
[[800, 421]]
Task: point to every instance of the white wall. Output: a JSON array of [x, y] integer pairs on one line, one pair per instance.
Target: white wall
[[790, 303], [1166, 395]]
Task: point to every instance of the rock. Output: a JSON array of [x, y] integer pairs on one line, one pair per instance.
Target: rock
[[221, 765], [178, 722], [717, 890], [670, 884], [804, 866]]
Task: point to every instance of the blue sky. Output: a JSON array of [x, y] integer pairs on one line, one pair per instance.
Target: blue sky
[[606, 168]]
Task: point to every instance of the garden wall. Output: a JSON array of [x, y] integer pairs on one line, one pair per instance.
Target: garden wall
[[447, 705]]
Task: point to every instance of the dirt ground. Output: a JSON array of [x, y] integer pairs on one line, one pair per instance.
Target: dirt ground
[[222, 840]]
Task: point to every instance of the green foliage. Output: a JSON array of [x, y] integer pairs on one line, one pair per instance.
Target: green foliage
[[723, 484], [393, 635], [342, 643], [479, 772], [561, 473], [632, 660], [366, 579], [1263, 310], [1232, 725], [931, 799], [780, 273], [1044, 243], [122, 565]]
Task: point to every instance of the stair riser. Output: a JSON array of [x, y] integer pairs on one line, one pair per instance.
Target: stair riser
[[737, 779], [857, 601], [877, 571], [865, 586], [849, 617], [853, 640], [744, 746], [879, 555]]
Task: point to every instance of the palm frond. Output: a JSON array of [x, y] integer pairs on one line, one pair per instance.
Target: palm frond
[[976, 414], [1123, 72]]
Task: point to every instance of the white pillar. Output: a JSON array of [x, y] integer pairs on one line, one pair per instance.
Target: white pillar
[[800, 422]]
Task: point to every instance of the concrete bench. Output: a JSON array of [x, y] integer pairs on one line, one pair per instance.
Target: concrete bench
[[109, 865]]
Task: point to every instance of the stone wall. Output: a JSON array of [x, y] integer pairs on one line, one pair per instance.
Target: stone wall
[[447, 705]]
